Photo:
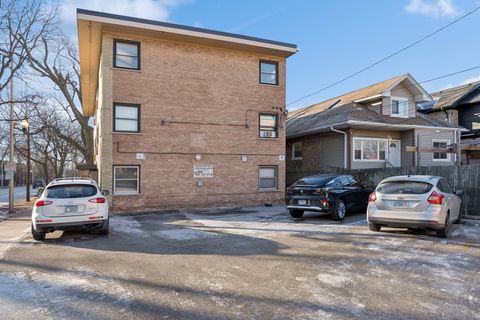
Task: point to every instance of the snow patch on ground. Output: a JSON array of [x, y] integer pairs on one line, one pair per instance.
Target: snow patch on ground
[[68, 294], [334, 280], [127, 225], [184, 234]]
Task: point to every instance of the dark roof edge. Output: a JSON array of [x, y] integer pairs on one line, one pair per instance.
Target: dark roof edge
[[182, 27]]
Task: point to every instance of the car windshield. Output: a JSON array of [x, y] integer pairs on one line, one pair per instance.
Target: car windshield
[[314, 181], [404, 187], [70, 191]]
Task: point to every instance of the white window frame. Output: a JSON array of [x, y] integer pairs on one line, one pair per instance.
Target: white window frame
[[293, 150], [276, 177], [400, 100], [361, 149], [115, 192], [448, 159]]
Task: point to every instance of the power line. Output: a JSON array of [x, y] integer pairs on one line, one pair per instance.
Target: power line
[[386, 58], [302, 112]]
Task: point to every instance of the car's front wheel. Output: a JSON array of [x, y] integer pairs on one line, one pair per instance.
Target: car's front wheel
[[38, 236], [296, 213], [339, 211]]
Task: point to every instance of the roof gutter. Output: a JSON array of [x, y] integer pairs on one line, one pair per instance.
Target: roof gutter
[[345, 150]]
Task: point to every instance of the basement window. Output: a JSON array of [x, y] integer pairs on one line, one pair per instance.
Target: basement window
[[126, 54], [267, 178], [126, 180], [269, 72], [268, 126]]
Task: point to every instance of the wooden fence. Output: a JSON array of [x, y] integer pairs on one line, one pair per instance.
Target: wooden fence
[[465, 179]]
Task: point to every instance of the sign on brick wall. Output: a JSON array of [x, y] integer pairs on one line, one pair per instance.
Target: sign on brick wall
[[201, 171]]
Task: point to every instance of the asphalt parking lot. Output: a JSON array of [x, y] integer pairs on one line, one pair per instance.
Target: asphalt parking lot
[[254, 263]]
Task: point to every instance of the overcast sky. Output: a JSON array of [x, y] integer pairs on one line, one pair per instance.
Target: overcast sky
[[335, 38]]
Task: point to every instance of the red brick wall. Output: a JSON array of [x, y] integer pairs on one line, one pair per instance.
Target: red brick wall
[[217, 92]]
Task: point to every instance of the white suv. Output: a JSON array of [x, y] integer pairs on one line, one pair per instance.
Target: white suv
[[70, 204]]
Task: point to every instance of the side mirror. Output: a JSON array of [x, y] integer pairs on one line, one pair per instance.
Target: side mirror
[[458, 192], [105, 192], [40, 191]]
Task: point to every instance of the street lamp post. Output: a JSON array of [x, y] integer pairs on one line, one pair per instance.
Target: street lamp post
[[11, 188], [26, 131]]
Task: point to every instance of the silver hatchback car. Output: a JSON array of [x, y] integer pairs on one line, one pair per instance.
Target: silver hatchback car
[[418, 202]]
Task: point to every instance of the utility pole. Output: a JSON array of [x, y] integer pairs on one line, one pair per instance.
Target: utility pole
[[11, 194], [26, 130]]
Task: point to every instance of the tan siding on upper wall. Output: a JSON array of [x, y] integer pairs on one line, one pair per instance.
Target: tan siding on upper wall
[[402, 91]]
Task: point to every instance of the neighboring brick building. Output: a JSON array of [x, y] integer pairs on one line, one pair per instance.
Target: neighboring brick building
[[184, 117]]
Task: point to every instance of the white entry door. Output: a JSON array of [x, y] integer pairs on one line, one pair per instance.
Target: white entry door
[[394, 153]]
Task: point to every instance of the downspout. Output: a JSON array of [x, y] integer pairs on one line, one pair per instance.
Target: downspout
[[345, 150]]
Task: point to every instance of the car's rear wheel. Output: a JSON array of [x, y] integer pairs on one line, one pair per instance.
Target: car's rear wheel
[[339, 211], [38, 236], [443, 233], [105, 229], [374, 226], [296, 213]]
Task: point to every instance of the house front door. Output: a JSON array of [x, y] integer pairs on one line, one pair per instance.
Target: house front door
[[394, 151]]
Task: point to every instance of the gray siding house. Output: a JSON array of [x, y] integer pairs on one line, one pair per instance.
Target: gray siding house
[[459, 106], [369, 128]]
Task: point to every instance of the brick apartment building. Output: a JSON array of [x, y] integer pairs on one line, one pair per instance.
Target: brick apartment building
[[184, 117]]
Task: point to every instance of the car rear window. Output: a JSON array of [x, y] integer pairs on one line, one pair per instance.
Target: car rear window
[[313, 181], [67, 191], [404, 187]]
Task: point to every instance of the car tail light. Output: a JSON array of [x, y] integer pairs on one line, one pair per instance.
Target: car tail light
[[372, 197], [42, 203], [97, 200], [435, 198], [326, 203]]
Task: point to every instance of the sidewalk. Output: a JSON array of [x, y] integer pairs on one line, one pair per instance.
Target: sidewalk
[[14, 227]]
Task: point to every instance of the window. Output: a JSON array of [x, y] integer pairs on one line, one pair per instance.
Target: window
[[267, 176], [126, 179], [404, 187], [126, 54], [268, 126], [297, 153], [126, 117], [369, 149], [399, 107], [68, 191], [444, 186], [441, 156], [269, 72]]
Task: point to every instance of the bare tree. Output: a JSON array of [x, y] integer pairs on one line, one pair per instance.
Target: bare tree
[[32, 20], [57, 60]]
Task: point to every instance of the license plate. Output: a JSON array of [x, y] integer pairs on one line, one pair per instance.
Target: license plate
[[71, 209], [399, 204], [302, 201]]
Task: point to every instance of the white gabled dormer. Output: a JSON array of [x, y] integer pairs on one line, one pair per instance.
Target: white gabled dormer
[[401, 99]]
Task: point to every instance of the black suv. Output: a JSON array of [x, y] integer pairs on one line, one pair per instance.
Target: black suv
[[38, 183], [334, 194]]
